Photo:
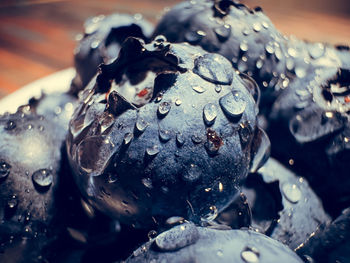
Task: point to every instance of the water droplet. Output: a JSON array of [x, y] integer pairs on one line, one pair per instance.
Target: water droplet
[[178, 237], [147, 182], [250, 255], [141, 125], [112, 178], [265, 25], [213, 213], [300, 72], [223, 32], [174, 220], [244, 46], [193, 37], [138, 16], [42, 178], [220, 253], [128, 138], [291, 192], [218, 88], [12, 203], [164, 108], [292, 52], [196, 138], [95, 44], [178, 102], [259, 64], [210, 113], [269, 48], [152, 151], [5, 169], [152, 234], [180, 139], [285, 83], [290, 64], [192, 174], [316, 50], [10, 125], [164, 135], [257, 26], [245, 133], [233, 104], [214, 68], [198, 89]]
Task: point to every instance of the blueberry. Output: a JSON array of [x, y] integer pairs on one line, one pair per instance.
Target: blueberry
[[309, 128], [188, 243], [101, 43], [189, 156]]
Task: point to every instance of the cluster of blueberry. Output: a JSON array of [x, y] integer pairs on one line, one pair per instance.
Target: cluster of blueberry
[[160, 151]]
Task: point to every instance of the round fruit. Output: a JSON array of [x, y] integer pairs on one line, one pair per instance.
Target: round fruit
[[188, 243], [167, 130]]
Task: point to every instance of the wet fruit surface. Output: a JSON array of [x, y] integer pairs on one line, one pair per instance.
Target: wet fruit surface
[[188, 243], [164, 153]]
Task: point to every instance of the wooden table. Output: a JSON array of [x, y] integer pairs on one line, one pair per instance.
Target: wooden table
[[37, 37]]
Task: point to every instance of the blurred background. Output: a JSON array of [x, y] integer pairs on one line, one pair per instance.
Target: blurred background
[[37, 37]]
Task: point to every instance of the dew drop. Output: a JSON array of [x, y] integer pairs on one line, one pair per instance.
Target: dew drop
[[223, 32], [220, 253], [164, 108], [316, 50], [292, 52], [196, 138], [210, 113], [244, 46], [259, 64], [42, 178], [291, 192], [250, 255], [233, 104], [300, 72], [180, 139], [257, 26], [10, 125], [5, 169], [178, 102], [152, 234], [178, 237], [193, 37], [174, 220], [12, 203], [147, 182], [192, 174], [164, 135], [218, 88], [265, 25], [152, 151], [198, 89], [95, 44], [128, 138], [214, 68], [213, 213], [141, 125]]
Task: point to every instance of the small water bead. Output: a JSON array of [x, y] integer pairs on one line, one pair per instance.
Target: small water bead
[[5, 169], [164, 135], [141, 125], [291, 192], [174, 220], [211, 215], [220, 253], [250, 255], [316, 50], [198, 89], [233, 104], [152, 151], [192, 174], [147, 182], [210, 113], [300, 72], [292, 52], [164, 108], [128, 138], [265, 24], [270, 49], [196, 138], [193, 37], [12, 203], [178, 102], [244, 46], [95, 44], [180, 139], [178, 237], [257, 27], [10, 125], [152, 234], [112, 178], [259, 64], [223, 32], [218, 88], [42, 178]]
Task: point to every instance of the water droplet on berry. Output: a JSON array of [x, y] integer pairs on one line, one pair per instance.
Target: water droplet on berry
[[141, 125], [210, 113], [180, 139], [152, 151], [233, 104], [10, 125], [164, 108], [250, 255], [291, 192], [223, 32], [164, 135], [5, 169], [128, 137], [152, 234], [42, 178], [192, 174], [198, 89], [178, 237], [213, 213]]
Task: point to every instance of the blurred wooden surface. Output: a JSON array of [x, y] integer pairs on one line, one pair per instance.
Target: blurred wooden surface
[[37, 37]]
